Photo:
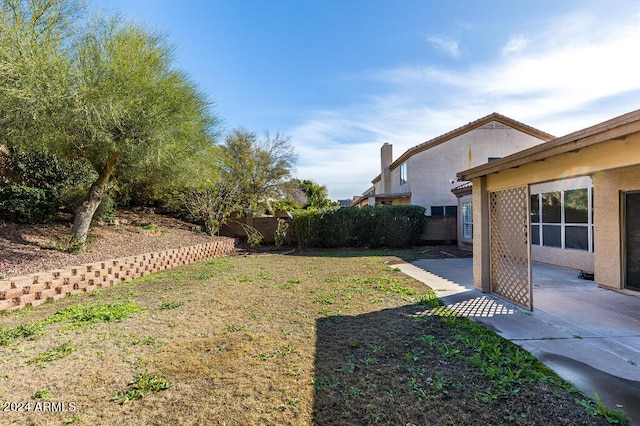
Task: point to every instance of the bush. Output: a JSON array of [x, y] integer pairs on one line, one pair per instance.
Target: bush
[[106, 210], [25, 204], [212, 206], [48, 172], [384, 226], [34, 186]]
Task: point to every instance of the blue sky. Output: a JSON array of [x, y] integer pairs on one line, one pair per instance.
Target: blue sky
[[342, 77]]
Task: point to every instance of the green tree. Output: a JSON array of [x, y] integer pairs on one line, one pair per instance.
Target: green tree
[[317, 195], [115, 100], [35, 59], [261, 166]]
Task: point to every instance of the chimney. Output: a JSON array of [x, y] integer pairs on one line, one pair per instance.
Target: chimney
[[386, 158]]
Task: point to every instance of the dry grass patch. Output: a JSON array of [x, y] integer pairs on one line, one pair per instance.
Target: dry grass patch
[[318, 338]]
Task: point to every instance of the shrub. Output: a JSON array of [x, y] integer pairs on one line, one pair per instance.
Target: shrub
[[384, 226], [212, 206], [25, 204], [281, 233], [34, 183]]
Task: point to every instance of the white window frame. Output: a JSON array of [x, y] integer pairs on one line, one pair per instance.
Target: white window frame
[[403, 173], [562, 224], [467, 219]]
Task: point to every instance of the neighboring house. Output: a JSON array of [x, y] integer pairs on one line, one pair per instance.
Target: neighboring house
[[423, 174], [573, 201]]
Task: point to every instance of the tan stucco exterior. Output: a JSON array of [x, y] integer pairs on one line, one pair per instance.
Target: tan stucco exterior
[[431, 165], [610, 186], [608, 153], [429, 171]]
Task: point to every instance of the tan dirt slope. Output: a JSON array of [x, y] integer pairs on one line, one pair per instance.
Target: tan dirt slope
[[29, 249]]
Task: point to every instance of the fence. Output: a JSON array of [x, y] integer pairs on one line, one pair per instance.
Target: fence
[[440, 230], [266, 225]]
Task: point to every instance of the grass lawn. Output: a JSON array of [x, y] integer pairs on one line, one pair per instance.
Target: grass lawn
[[326, 338]]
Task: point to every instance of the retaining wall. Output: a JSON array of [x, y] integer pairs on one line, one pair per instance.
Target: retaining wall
[[34, 289]]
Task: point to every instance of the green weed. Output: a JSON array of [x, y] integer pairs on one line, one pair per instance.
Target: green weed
[[324, 300], [613, 415], [171, 305], [142, 384], [42, 395], [71, 420], [146, 341], [84, 314], [52, 354], [32, 330]]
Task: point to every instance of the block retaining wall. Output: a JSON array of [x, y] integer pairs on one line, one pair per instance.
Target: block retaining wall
[[35, 289]]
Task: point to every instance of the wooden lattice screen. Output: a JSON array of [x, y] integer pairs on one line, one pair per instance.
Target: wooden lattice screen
[[510, 250]]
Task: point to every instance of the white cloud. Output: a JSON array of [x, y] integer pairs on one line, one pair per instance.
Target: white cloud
[[515, 45], [560, 79], [446, 45]]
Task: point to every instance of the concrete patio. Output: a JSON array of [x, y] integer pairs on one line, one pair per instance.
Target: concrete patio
[[588, 335]]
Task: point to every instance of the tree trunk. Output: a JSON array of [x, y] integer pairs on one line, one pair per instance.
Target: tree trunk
[[86, 210]]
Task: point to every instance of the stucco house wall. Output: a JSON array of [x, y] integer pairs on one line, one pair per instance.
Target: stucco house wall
[[431, 165], [429, 171], [609, 221], [608, 152]]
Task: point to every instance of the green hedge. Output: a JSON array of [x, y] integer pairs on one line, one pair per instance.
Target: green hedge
[[384, 226]]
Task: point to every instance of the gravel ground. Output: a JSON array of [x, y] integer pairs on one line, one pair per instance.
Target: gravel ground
[[29, 249]]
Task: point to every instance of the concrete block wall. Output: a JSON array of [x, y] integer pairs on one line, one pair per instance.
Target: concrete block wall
[[265, 225], [440, 230], [35, 289]]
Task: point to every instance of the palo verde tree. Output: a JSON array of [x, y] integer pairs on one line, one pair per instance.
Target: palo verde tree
[[261, 166], [139, 116], [35, 38], [116, 101]]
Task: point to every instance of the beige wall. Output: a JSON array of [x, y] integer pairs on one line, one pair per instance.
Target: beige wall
[[586, 161], [429, 171], [614, 166], [567, 258], [481, 247], [394, 202], [609, 186]]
